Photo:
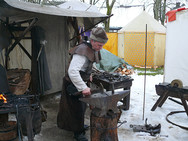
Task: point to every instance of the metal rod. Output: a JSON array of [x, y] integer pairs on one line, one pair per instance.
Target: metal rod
[[145, 74], [175, 101], [18, 124]]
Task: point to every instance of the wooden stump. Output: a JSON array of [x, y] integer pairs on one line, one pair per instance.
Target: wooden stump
[[104, 128]]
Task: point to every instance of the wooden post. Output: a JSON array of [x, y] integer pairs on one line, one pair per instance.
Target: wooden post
[[104, 128]]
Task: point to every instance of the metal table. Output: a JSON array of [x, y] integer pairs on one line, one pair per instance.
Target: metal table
[[111, 82]]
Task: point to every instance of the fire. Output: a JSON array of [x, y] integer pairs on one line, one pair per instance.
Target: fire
[[3, 98]]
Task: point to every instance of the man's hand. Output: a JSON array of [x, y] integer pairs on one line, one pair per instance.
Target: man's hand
[[86, 91], [91, 78]]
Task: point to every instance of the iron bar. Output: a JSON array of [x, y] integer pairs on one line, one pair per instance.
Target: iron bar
[[175, 101], [145, 74]]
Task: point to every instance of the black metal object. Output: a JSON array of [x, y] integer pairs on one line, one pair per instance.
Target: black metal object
[[172, 113], [12, 100], [104, 102], [5, 37], [112, 81], [17, 104], [3, 80], [165, 90], [153, 130]]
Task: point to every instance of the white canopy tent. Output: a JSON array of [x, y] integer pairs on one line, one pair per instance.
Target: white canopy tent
[[176, 61], [56, 22], [62, 10]]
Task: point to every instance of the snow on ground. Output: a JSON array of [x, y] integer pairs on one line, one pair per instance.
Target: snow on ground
[[134, 115], [169, 132]]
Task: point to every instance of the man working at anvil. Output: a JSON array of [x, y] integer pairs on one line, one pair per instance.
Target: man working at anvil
[[71, 110]]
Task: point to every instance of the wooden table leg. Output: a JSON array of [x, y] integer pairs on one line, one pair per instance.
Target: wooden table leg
[[184, 103], [160, 101]]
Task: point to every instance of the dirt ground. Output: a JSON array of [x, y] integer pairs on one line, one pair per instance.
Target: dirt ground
[[49, 130]]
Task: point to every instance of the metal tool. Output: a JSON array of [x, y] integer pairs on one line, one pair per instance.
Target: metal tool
[[153, 130]]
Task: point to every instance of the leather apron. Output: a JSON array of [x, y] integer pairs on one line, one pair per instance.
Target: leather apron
[[71, 110]]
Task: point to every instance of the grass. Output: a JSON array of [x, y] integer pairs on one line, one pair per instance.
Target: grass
[[149, 71]]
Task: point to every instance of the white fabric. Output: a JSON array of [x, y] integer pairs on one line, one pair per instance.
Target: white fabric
[[139, 24], [52, 10], [80, 6], [176, 60], [78, 63]]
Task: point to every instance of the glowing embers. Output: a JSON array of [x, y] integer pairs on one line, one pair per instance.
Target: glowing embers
[[3, 99]]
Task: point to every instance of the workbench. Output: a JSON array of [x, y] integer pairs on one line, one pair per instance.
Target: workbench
[[165, 90]]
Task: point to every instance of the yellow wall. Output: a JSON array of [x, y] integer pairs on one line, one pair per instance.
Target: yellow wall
[[134, 52], [112, 44], [160, 43]]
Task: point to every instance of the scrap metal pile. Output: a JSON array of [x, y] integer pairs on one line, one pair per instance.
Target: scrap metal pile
[[110, 77]]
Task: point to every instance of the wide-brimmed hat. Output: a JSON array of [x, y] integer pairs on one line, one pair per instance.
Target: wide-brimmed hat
[[98, 34]]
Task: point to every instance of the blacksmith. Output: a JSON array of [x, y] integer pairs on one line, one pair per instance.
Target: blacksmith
[[71, 110]]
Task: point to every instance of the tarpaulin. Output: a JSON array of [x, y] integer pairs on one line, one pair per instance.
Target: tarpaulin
[[110, 62]]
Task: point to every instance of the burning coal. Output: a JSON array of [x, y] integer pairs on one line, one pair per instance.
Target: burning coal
[[3, 98]]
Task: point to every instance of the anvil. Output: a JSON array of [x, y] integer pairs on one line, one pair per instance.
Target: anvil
[[105, 101]]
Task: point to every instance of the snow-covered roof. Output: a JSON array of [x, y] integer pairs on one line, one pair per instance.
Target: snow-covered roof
[[139, 24], [80, 6], [58, 11]]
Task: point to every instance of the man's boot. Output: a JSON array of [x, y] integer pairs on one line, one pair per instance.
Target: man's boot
[[80, 136]]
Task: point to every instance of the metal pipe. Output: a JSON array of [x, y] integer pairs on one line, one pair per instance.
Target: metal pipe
[[145, 74]]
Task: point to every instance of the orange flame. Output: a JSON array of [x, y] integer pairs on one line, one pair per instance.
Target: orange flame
[[3, 98]]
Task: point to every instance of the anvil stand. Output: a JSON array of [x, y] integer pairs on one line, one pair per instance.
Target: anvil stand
[[105, 114], [103, 128]]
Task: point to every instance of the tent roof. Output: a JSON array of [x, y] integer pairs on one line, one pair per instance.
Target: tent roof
[[50, 10], [139, 24], [80, 6]]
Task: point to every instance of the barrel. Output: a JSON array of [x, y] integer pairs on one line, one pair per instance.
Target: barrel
[[8, 131]]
